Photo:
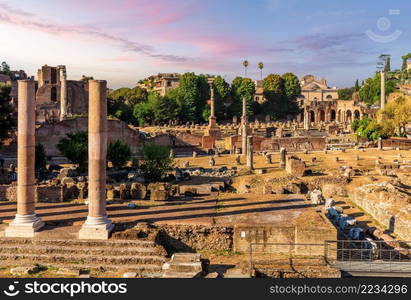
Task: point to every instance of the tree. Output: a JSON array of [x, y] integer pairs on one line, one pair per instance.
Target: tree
[[118, 153], [395, 116], [387, 67], [261, 66], [5, 68], [367, 128], [40, 160], [356, 86], [193, 93], [75, 147], [292, 90], [371, 89], [245, 64], [7, 118], [144, 112], [156, 162], [242, 88], [165, 109], [274, 92], [346, 93], [221, 94]]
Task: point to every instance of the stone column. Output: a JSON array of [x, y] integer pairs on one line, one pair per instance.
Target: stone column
[[283, 154], [26, 222], [212, 104], [306, 120], [382, 105], [63, 92], [250, 150], [97, 225], [244, 129], [379, 144]]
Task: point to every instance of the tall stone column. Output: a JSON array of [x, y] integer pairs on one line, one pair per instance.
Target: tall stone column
[[250, 154], [244, 129], [283, 155], [382, 105], [97, 225], [63, 92], [306, 120], [26, 222]]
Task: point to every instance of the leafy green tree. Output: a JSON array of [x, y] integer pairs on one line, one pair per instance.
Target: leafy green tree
[[346, 93], [193, 93], [371, 89], [129, 96], [156, 162], [242, 88], [118, 153], [7, 118], [356, 86], [367, 128], [75, 147], [261, 66], [274, 92], [292, 91], [144, 112], [165, 109], [5, 68], [221, 94], [395, 116], [40, 157]]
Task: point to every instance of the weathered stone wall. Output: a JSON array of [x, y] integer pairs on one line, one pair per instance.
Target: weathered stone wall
[[275, 144], [50, 134], [190, 238], [388, 205], [43, 192]]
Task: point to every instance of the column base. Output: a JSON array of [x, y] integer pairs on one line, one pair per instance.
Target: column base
[[96, 228], [24, 226]]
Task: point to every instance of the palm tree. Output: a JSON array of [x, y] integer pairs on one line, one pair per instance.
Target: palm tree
[[261, 66], [245, 64]]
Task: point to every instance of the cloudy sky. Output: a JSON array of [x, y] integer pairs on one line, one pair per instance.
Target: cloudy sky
[[123, 41]]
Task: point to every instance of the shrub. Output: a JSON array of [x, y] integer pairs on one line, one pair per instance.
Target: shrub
[[75, 147], [156, 162], [118, 153]]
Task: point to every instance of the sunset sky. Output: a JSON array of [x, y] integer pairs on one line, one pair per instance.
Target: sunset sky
[[123, 41]]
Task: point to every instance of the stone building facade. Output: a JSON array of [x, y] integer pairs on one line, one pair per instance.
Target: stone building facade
[[58, 98], [319, 103], [161, 83]]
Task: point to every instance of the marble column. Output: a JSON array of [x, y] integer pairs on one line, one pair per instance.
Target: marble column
[[97, 225], [26, 222], [250, 150], [283, 154], [244, 129], [382, 105], [306, 120], [63, 92]]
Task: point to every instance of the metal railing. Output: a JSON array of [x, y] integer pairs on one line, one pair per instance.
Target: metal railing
[[346, 255]]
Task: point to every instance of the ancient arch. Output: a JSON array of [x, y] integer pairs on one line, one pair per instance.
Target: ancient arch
[[53, 94], [332, 115], [348, 116], [312, 116], [329, 97], [357, 114], [322, 115], [339, 116]]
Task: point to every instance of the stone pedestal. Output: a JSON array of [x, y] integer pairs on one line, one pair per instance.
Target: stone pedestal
[[212, 129], [97, 225], [26, 222]]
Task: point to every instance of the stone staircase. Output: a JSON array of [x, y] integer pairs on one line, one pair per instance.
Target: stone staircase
[[104, 258]]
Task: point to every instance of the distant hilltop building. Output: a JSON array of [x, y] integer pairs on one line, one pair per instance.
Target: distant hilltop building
[[259, 91], [58, 98], [161, 83]]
